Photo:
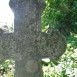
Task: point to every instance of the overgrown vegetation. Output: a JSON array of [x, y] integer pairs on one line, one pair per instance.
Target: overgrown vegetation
[[7, 68], [61, 14]]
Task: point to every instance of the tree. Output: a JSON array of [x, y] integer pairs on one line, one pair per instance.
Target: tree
[[61, 14]]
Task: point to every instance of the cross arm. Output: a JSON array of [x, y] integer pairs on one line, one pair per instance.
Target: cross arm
[[52, 45], [7, 46]]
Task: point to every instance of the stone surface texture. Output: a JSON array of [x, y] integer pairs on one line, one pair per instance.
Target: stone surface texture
[[28, 45]]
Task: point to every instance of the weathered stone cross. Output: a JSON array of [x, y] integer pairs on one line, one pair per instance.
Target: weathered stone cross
[[28, 45]]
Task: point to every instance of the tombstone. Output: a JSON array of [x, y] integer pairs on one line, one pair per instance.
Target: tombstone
[[28, 45]]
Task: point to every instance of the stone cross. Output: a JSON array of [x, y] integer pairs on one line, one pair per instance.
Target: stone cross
[[28, 45]]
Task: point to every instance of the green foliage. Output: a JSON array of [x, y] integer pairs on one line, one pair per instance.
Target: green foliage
[[7, 68], [72, 40], [61, 14]]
